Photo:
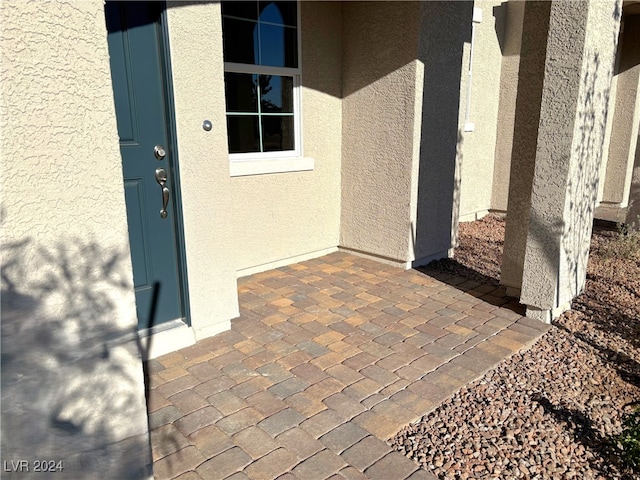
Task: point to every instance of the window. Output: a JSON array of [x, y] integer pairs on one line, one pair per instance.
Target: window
[[262, 78]]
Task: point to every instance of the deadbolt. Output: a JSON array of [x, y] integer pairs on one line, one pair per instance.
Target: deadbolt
[[159, 152]]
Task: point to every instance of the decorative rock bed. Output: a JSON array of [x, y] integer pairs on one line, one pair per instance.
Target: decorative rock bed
[[554, 410]]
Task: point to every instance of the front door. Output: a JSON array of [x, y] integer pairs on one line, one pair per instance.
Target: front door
[[135, 48]]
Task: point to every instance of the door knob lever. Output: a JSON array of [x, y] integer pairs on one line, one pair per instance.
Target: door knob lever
[[161, 178]]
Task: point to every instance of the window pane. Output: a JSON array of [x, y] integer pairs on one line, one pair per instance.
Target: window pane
[[278, 46], [276, 94], [240, 41], [247, 10], [240, 92], [281, 13], [243, 133], [277, 133]]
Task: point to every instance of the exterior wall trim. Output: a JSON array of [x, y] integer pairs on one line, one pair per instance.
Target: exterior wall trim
[[172, 137], [242, 168], [285, 261]]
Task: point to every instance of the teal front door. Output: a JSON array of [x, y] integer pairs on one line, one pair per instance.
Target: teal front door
[[135, 49]]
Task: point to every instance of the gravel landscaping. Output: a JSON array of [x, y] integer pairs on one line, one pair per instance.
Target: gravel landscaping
[[555, 410]]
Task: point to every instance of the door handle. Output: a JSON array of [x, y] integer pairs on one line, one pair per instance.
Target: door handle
[[161, 178]]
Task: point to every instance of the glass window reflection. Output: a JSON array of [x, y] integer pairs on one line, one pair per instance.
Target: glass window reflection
[[271, 40], [276, 94], [260, 106]]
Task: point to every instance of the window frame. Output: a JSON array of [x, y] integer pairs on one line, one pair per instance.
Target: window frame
[[296, 74]]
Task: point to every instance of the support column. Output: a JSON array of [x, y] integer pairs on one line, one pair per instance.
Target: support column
[[507, 107], [633, 212], [581, 47], [444, 47], [622, 147], [525, 133]]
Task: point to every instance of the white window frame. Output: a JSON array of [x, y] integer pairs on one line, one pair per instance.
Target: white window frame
[[279, 161]]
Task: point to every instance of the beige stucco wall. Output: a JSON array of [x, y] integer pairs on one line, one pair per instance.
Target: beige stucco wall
[[280, 217], [444, 50], [478, 148], [626, 117], [633, 213], [72, 379], [379, 155], [573, 117], [198, 85], [513, 18], [609, 130], [524, 140]]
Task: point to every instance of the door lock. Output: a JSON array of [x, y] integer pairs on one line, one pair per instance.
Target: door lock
[[159, 152]]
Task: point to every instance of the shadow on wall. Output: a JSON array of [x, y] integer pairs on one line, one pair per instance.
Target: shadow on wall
[[593, 112], [532, 52], [71, 381], [446, 28], [500, 14], [567, 259], [584, 180]]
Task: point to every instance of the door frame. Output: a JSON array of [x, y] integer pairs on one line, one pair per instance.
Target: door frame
[[174, 176], [172, 137]]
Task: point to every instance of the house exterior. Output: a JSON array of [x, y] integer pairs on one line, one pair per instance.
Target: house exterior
[[153, 155]]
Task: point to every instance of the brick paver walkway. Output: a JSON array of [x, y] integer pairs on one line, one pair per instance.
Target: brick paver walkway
[[328, 360]]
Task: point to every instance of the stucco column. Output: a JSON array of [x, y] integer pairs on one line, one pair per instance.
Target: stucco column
[[580, 53], [626, 118], [445, 39], [507, 107], [523, 134], [633, 212]]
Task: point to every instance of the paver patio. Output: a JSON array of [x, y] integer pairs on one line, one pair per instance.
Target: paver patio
[[328, 360]]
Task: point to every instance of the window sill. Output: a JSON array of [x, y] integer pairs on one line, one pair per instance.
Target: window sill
[[242, 168]]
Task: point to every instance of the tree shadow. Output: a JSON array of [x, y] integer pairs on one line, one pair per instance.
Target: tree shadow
[[473, 282], [604, 448], [72, 384]]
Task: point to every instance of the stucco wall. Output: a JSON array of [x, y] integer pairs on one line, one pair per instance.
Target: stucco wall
[[626, 117], [379, 119], [633, 213], [444, 47], [573, 117], [72, 382], [278, 217], [479, 146], [524, 139], [198, 85], [513, 12]]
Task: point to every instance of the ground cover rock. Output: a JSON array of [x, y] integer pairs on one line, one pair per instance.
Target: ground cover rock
[[554, 410]]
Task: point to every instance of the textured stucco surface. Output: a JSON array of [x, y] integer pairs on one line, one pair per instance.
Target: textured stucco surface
[[198, 84], [626, 117], [525, 135], [378, 112], [514, 16], [579, 64], [479, 146], [72, 385], [633, 212], [284, 215], [445, 36]]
